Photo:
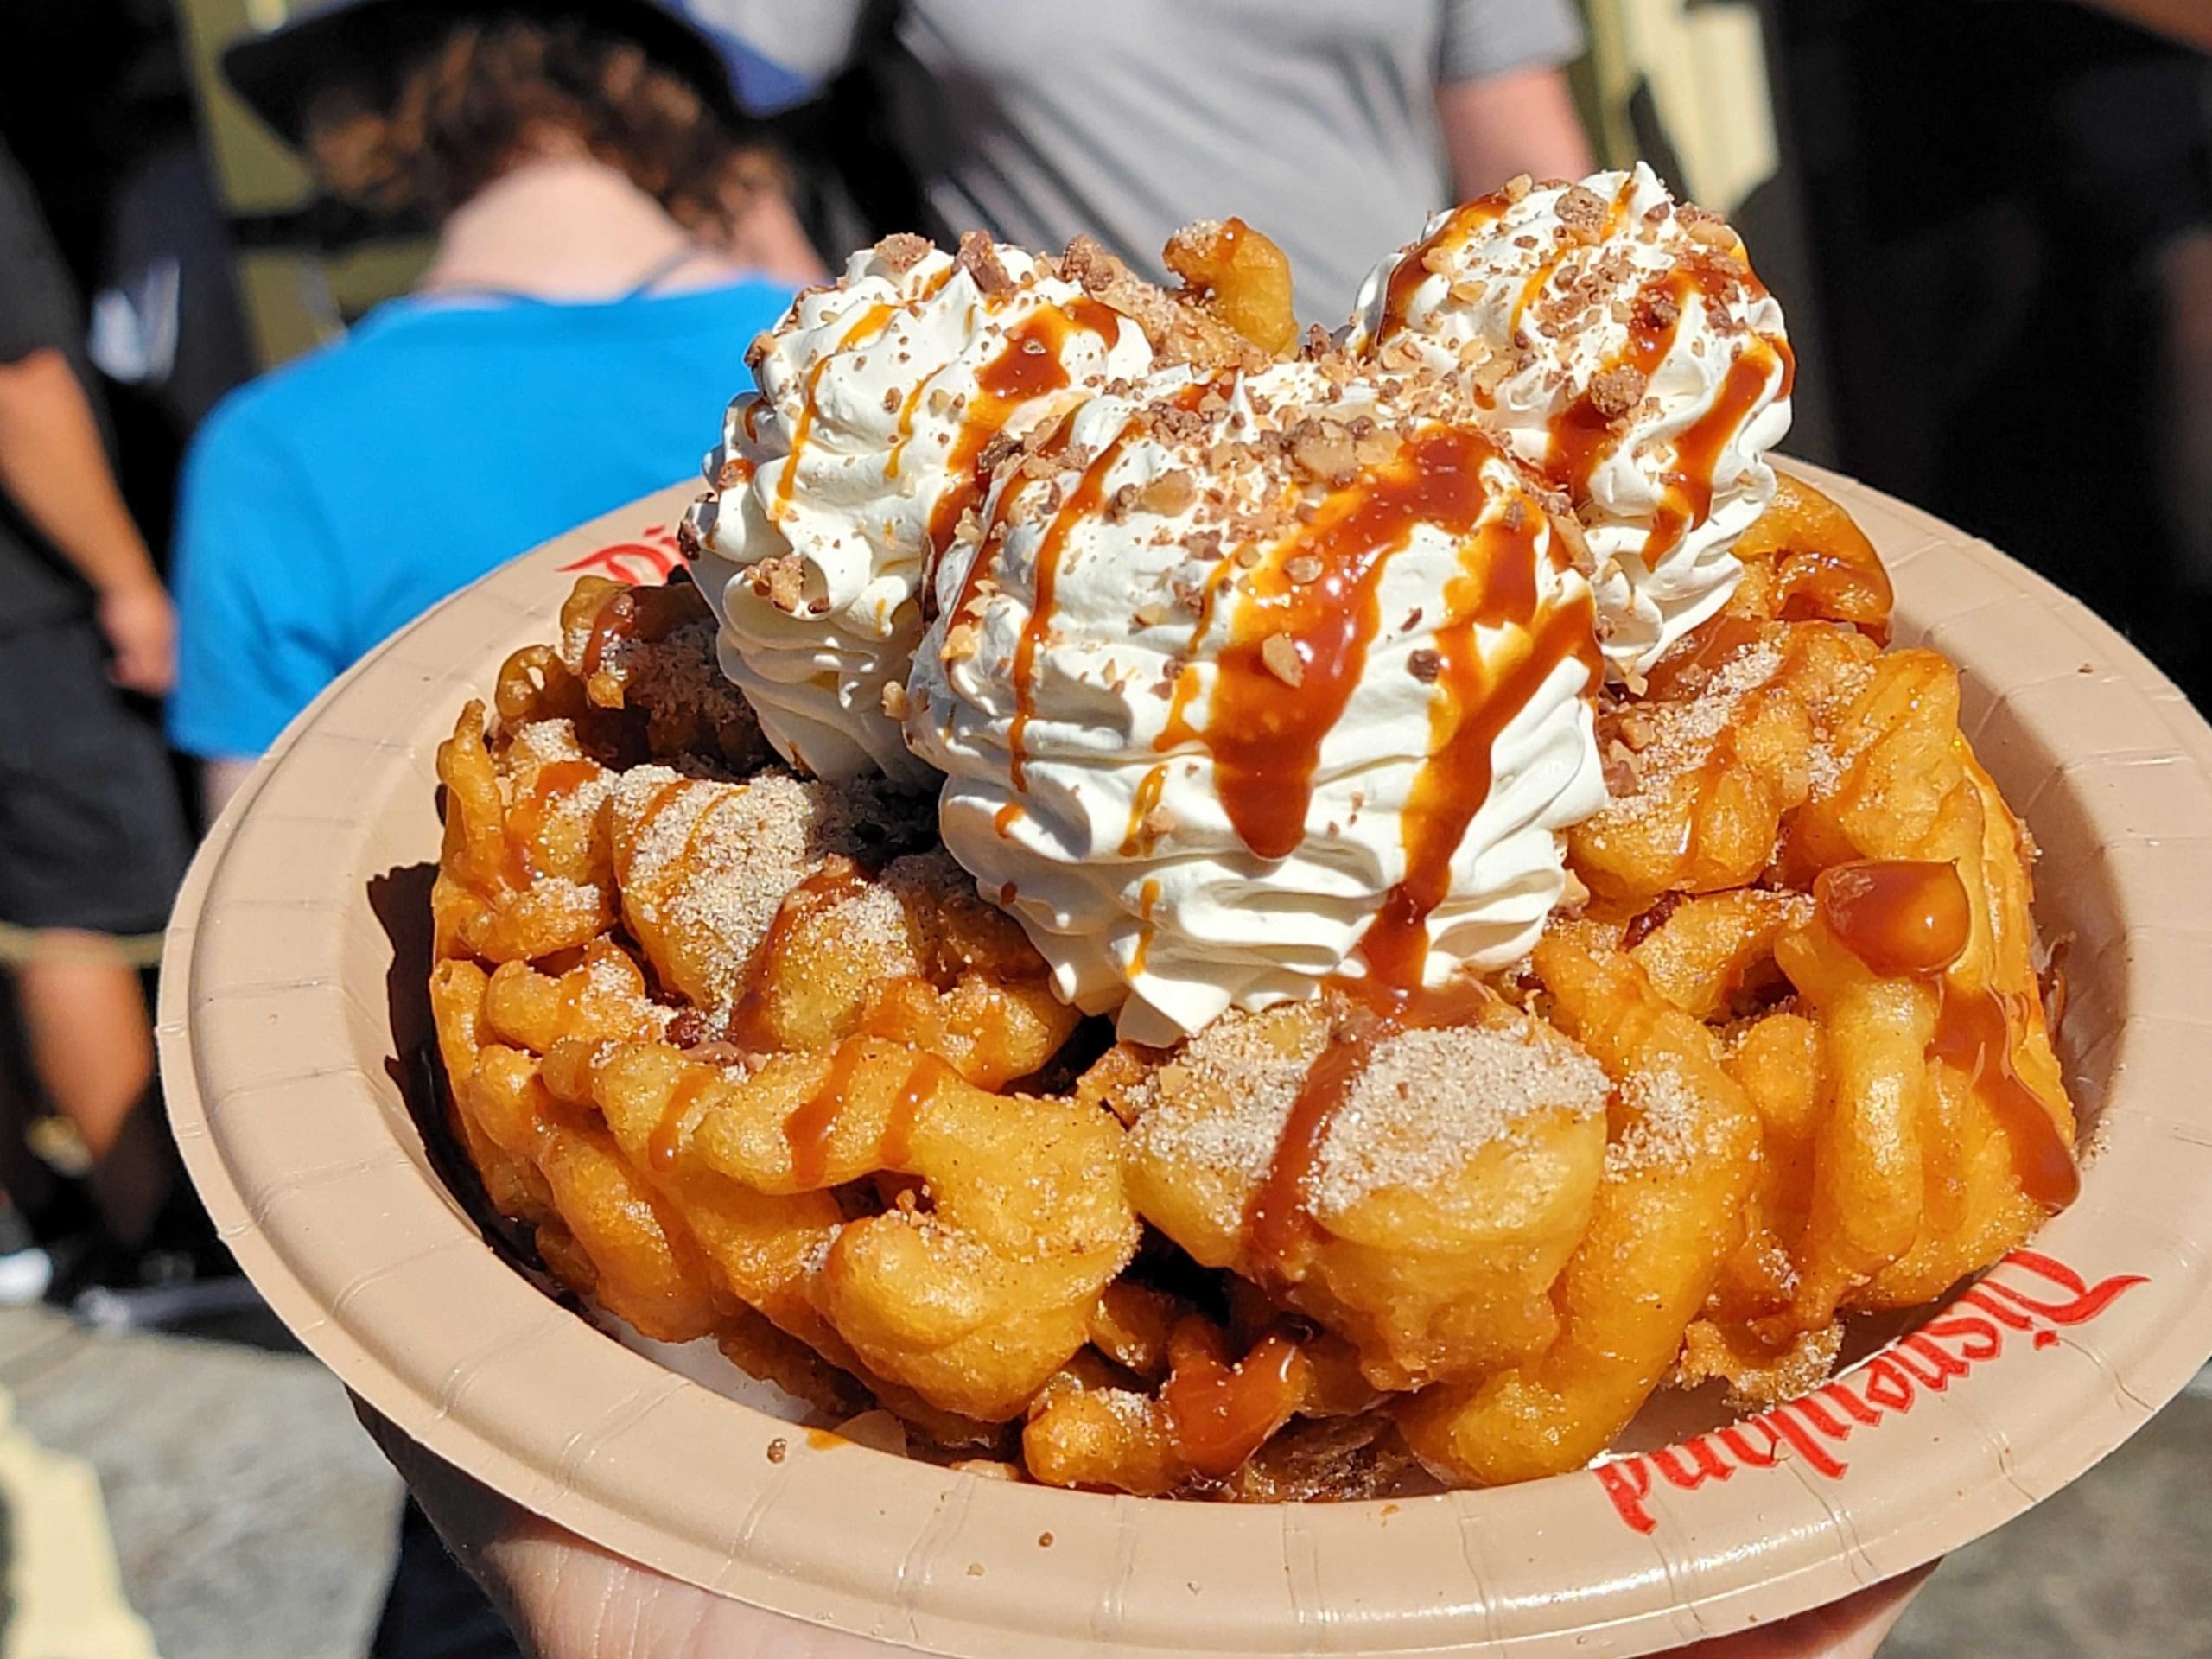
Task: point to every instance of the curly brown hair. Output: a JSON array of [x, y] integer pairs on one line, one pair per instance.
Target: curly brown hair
[[420, 137]]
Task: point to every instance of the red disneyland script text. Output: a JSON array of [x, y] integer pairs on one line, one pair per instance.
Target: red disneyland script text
[[1968, 1332]]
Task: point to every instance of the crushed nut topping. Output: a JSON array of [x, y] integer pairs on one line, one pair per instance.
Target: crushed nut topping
[[903, 251], [979, 257], [1615, 391]]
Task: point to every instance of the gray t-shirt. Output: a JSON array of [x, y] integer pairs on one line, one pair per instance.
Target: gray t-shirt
[[1312, 120]]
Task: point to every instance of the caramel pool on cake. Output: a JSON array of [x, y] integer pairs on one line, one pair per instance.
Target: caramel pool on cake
[[1197, 914]]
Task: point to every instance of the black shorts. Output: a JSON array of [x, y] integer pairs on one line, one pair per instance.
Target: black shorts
[[92, 834]]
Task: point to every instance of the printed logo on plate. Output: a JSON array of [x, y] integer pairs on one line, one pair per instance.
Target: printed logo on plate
[[644, 562], [1968, 1332]]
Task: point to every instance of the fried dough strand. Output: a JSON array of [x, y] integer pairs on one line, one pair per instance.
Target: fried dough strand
[[757, 1063]]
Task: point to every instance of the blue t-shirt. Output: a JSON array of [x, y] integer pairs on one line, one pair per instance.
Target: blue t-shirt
[[332, 501]]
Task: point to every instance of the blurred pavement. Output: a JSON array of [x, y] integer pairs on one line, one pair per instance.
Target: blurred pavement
[[249, 1515], [251, 1519]]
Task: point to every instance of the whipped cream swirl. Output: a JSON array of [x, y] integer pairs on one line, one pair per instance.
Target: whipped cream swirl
[[1245, 683], [1618, 343], [878, 400]]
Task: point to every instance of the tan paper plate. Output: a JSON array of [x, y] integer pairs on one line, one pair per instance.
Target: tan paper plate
[[283, 983]]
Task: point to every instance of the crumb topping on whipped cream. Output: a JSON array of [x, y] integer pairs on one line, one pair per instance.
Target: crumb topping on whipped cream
[[878, 401], [1618, 342], [1238, 675], [1241, 684]]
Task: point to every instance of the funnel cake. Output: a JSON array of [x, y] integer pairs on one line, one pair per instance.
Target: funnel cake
[[785, 1063]]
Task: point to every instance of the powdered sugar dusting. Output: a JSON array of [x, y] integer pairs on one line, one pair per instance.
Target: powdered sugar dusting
[[1430, 1100], [1223, 1102], [1682, 734], [716, 859], [1667, 1127]]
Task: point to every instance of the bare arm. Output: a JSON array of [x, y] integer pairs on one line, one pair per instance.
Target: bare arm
[[2188, 21], [1522, 121], [219, 778], [54, 468], [764, 234]]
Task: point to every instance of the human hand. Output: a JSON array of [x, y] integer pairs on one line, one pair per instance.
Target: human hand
[[567, 1598], [140, 624]]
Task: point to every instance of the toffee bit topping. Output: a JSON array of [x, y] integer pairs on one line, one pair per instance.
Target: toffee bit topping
[[979, 257], [1003, 445], [1323, 449], [892, 398], [1661, 309], [1582, 210], [1518, 186], [903, 251], [961, 641], [1615, 391], [1168, 494], [1279, 652], [894, 700], [1568, 529], [1306, 568], [1425, 666], [780, 581]]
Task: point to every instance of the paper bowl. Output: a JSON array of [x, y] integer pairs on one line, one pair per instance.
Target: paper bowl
[[300, 937]]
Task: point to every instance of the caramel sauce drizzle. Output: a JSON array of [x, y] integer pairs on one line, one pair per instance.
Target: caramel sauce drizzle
[[809, 1127], [665, 1143], [1014, 376], [1686, 500], [1221, 1414], [873, 318], [1138, 842], [1005, 817], [904, 433], [751, 1022], [554, 783], [1148, 897], [1265, 735], [1820, 582], [1279, 1226], [1582, 435], [1975, 1032], [927, 1073], [1533, 286], [810, 1131], [1912, 918], [1898, 916], [1080, 503], [616, 619], [1411, 269], [1497, 589]]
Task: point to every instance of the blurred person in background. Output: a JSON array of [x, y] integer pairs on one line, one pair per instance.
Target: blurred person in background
[[1335, 128], [2013, 217], [93, 840], [609, 243]]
